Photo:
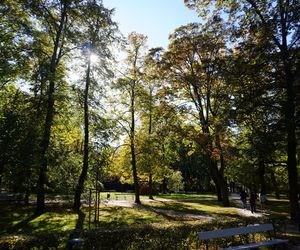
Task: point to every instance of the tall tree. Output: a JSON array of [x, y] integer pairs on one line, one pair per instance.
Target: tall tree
[[99, 32], [55, 17], [130, 87], [191, 65], [149, 118], [278, 22]]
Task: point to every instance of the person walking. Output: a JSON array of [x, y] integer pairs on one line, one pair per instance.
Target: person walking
[[252, 201], [244, 196], [263, 200]]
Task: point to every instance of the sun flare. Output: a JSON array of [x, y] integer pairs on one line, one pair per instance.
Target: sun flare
[[94, 58]]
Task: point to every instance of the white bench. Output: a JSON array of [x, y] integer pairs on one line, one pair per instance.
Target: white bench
[[251, 229]]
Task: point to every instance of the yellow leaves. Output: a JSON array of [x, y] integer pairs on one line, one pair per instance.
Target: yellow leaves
[[69, 137]]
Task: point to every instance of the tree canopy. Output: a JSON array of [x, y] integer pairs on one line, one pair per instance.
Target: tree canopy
[[218, 106]]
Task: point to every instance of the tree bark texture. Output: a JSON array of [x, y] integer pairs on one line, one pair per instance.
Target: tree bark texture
[[275, 185], [82, 177], [289, 117], [49, 115], [222, 179], [132, 147], [150, 167], [289, 109], [291, 146], [261, 176]]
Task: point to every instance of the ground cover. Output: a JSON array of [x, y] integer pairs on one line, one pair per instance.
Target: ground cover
[[167, 213]]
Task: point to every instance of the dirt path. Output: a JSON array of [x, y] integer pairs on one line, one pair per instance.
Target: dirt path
[[235, 198]]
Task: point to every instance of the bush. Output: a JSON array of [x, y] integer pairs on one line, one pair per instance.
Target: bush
[[41, 241], [154, 237], [175, 182], [16, 242], [148, 237]]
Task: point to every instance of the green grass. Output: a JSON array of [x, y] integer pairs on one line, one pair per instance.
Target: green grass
[[201, 207], [278, 207], [59, 218], [187, 196], [113, 216], [16, 219]]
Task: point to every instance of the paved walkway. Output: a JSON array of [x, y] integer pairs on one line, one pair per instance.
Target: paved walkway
[[235, 198], [182, 215], [170, 214]]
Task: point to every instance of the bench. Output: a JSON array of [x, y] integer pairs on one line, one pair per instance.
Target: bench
[[75, 243], [237, 231]]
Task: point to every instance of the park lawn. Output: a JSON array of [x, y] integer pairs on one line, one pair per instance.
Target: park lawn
[[179, 196], [115, 216], [278, 207], [118, 195], [59, 218], [206, 205], [19, 219]]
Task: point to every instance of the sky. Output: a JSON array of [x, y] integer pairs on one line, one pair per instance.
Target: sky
[[155, 18]]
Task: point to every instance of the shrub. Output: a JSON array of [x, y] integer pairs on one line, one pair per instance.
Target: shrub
[[147, 237], [41, 241], [151, 236]]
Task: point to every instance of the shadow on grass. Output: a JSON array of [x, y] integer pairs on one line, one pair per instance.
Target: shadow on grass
[[114, 217], [21, 219], [207, 208], [12, 216], [22, 224], [278, 207]]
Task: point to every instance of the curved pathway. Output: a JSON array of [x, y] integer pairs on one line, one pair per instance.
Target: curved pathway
[[179, 215]]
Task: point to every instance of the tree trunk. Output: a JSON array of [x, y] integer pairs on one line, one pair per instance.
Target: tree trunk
[[290, 126], [214, 176], [150, 187], [291, 147], [135, 177], [212, 164], [45, 145], [40, 204], [289, 109], [289, 112], [275, 185], [223, 183], [261, 177], [150, 132], [26, 197], [164, 182], [132, 147], [220, 173], [80, 185], [224, 191], [164, 185]]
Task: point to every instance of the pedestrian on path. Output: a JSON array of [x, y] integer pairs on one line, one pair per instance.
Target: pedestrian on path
[[263, 200], [252, 201]]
